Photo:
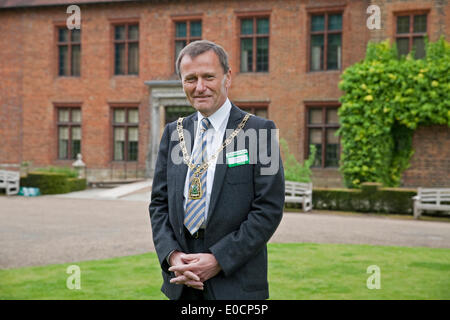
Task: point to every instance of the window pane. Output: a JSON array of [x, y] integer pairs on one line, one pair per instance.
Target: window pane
[[173, 113], [332, 149], [334, 52], [317, 23], [180, 30], [63, 142], [133, 58], [133, 134], [119, 58], [332, 116], [76, 133], [316, 52], [315, 116], [132, 151], [76, 148], [119, 116], [63, 115], [403, 24], [179, 45], [262, 26], [335, 22], [261, 112], [63, 69], [315, 138], [119, 32], [119, 143], [63, 35], [76, 35], [331, 138], [196, 29], [76, 60], [402, 46], [76, 142], [246, 55], [420, 23], [133, 116], [262, 54], [419, 47], [133, 32], [76, 115], [247, 26]]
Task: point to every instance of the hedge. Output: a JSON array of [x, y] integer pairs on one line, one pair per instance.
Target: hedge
[[77, 184], [52, 183], [370, 198]]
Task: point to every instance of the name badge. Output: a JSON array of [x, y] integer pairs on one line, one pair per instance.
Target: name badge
[[237, 158]]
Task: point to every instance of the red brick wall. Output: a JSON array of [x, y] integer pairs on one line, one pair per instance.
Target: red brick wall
[[11, 94], [430, 164], [32, 88]]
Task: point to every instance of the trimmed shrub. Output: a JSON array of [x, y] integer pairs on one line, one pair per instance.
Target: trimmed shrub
[[369, 198], [47, 182], [76, 184]]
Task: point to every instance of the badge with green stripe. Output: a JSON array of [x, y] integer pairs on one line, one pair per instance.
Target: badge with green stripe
[[237, 158]]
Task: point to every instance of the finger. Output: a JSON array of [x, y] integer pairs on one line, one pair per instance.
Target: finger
[[191, 275], [179, 280], [195, 284], [181, 268], [189, 257]]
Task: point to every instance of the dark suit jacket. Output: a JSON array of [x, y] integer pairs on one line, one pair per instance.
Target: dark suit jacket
[[244, 211]]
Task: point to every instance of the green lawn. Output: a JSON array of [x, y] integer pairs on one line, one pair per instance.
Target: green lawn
[[296, 271]]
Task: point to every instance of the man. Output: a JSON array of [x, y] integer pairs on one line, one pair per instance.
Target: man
[[213, 214]]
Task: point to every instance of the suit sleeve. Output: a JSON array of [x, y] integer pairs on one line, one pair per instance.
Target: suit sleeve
[[163, 235], [237, 248]]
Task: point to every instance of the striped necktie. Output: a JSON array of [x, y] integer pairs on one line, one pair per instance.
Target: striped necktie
[[195, 208]]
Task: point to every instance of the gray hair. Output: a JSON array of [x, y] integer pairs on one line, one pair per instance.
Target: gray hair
[[196, 48]]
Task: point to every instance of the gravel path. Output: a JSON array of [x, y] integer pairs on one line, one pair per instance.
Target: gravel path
[[49, 229]]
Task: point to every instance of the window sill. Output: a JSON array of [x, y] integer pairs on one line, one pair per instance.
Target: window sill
[[125, 76], [254, 73], [324, 71]]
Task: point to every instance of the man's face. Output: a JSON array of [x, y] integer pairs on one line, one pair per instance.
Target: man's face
[[204, 82]]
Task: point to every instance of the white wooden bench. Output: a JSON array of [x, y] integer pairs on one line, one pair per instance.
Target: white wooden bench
[[299, 192], [10, 181], [436, 199]]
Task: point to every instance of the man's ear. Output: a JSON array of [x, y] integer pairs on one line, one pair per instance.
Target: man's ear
[[228, 78]]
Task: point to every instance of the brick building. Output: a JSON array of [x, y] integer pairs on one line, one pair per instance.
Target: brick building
[[108, 89]]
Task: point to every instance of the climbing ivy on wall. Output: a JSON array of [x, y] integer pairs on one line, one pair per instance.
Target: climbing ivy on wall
[[386, 98]]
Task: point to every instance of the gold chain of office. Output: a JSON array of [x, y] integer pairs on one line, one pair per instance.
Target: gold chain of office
[[198, 170]]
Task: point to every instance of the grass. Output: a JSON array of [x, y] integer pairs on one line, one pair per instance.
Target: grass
[[296, 271]]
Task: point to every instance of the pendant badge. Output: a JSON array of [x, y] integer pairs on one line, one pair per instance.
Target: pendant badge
[[195, 189]]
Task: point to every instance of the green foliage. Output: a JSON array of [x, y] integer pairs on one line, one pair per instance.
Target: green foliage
[[47, 182], [76, 184], [293, 170], [67, 171], [370, 198], [386, 98], [52, 183]]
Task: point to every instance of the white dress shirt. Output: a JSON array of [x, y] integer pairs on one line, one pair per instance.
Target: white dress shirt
[[214, 139]]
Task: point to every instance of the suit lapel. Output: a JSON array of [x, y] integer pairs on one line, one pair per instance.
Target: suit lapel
[[236, 116]]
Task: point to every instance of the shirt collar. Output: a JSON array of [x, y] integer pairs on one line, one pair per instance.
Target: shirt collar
[[217, 118]]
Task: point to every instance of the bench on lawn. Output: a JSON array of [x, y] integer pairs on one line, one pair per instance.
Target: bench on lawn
[[10, 180], [299, 192], [436, 199]]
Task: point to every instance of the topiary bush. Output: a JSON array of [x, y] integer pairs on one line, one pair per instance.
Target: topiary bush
[[47, 182]]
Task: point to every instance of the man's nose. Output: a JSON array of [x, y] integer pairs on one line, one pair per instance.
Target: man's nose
[[200, 85]]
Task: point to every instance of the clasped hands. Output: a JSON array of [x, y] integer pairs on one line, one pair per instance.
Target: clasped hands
[[193, 270]]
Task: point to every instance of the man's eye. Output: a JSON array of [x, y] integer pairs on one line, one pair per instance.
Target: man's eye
[[189, 80]]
